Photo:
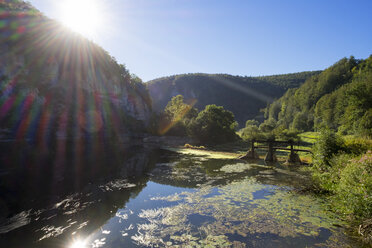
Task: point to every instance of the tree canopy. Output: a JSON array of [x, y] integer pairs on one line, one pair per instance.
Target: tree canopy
[[339, 98], [214, 125]]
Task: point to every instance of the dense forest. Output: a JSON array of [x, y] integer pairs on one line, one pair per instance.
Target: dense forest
[[244, 96], [339, 98], [55, 80]]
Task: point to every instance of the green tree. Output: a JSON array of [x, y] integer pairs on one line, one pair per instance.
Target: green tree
[[328, 145], [268, 125], [214, 125], [298, 109], [178, 116], [281, 133], [301, 121], [251, 131], [176, 109]]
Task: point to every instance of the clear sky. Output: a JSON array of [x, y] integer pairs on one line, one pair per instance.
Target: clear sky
[[155, 38]]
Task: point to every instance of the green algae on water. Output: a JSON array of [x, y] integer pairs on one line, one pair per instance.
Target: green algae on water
[[235, 210]]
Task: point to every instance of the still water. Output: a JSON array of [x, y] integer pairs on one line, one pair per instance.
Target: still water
[[110, 195]]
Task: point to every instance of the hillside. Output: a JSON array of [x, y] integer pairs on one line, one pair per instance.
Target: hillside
[[339, 98], [53, 80], [244, 96]]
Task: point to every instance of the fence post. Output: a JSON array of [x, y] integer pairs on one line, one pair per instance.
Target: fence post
[[251, 154], [293, 157], [270, 156]]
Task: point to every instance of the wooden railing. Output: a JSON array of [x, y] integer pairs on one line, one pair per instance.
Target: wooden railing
[[272, 146]]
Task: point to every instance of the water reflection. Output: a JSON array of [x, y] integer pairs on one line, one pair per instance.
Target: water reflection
[[113, 195], [47, 197]]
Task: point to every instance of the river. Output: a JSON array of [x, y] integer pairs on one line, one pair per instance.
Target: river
[[80, 194]]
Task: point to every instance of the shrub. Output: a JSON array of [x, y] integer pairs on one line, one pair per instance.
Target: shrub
[[339, 168], [329, 179], [328, 145], [357, 146], [354, 192]]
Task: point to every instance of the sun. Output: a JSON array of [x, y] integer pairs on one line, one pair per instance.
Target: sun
[[78, 244], [82, 16]]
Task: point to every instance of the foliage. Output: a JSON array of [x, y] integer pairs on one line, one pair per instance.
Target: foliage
[[177, 116], [176, 109], [251, 131], [290, 80], [268, 125], [343, 167], [339, 98], [328, 145], [356, 145], [244, 96], [267, 130], [214, 125], [282, 133], [354, 192]]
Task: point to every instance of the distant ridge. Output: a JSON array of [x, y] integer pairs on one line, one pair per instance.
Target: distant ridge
[[244, 96]]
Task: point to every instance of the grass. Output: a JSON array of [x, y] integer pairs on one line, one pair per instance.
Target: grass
[[206, 153], [309, 137], [342, 168]]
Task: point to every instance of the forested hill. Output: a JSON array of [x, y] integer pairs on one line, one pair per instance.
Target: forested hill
[[340, 98], [53, 80], [244, 96]]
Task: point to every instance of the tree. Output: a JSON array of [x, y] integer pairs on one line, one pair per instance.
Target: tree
[[214, 125], [178, 116], [251, 131], [281, 133], [328, 144], [176, 109], [300, 121], [298, 109], [268, 125]]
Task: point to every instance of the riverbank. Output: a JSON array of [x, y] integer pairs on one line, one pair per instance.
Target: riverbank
[[342, 169]]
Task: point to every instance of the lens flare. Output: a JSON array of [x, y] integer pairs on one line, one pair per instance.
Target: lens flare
[[78, 244], [82, 16]]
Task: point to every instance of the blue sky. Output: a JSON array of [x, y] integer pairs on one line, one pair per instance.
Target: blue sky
[[155, 38]]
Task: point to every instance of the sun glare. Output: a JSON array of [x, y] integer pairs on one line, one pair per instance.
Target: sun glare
[[78, 244], [83, 16]]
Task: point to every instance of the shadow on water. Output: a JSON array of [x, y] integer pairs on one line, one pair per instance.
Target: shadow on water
[[73, 187]]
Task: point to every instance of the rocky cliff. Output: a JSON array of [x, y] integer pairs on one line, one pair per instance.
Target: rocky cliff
[[54, 80]]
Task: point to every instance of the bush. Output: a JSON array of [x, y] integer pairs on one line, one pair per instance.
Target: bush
[[328, 145], [357, 146], [328, 180], [354, 192], [343, 167], [251, 131]]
